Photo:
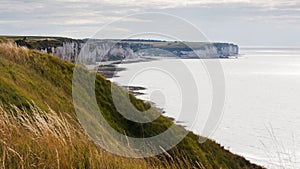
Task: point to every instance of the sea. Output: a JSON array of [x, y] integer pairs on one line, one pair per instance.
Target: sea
[[260, 115]]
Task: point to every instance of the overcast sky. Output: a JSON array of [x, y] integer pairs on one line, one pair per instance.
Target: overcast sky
[[244, 22]]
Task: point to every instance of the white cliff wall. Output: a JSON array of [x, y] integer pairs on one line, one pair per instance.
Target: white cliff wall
[[91, 51], [108, 50]]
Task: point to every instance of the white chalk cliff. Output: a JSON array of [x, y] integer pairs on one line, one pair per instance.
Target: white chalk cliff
[[96, 51]]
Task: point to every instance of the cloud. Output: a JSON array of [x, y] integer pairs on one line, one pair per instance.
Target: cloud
[[10, 22], [277, 20], [81, 18], [118, 29], [192, 3]]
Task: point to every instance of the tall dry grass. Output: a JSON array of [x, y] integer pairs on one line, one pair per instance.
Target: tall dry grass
[[39, 139], [12, 51]]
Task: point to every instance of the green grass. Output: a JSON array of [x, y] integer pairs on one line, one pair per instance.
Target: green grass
[[39, 42], [36, 95]]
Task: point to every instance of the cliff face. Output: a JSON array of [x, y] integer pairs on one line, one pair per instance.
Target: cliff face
[[103, 50], [91, 51], [204, 50], [68, 51], [225, 49]]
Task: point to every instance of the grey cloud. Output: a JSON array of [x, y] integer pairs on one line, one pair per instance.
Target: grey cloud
[[234, 21]]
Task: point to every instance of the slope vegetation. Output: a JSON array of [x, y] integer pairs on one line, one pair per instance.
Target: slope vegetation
[[39, 128]]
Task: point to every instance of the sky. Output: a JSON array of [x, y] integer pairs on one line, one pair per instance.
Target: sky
[[243, 22]]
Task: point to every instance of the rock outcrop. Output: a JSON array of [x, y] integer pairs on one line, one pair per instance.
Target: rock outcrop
[[92, 51], [68, 51]]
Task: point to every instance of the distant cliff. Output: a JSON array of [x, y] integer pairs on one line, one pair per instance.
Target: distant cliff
[[101, 50], [192, 50]]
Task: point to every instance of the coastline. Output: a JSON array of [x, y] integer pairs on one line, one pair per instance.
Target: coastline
[[181, 123]]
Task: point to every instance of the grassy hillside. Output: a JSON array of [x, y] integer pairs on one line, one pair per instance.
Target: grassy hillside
[[38, 42], [39, 128]]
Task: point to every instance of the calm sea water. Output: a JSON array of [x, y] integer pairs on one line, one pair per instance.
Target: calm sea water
[[261, 117]]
